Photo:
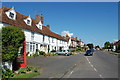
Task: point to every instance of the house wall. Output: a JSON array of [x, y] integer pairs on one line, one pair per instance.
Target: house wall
[[38, 38], [46, 39], [27, 35]]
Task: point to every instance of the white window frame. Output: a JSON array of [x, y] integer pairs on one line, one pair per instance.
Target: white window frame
[[39, 25], [11, 11], [26, 21]]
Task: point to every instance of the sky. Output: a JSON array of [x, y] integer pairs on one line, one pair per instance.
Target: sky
[[59, 0], [92, 22]]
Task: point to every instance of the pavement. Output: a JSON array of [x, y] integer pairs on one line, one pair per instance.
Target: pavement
[[100, 65]]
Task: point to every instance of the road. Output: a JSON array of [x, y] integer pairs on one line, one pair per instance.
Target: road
[[100, 65]]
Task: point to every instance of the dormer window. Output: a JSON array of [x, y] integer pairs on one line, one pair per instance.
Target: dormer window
[[39, 25], [28, 21], [11, 15]]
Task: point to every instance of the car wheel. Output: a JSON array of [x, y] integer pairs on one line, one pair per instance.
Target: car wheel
[[66, 54]]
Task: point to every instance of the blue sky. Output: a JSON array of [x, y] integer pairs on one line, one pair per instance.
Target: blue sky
[[93, 22]]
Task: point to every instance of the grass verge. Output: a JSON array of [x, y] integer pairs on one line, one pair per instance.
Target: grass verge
[[115, 53], [27, 75]]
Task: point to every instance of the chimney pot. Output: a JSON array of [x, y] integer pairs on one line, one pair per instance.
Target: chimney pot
[[48, 26], [37, 18], [40, 18]]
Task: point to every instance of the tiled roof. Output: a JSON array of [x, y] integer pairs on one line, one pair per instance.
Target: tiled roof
[[117, 43], [74, 39], [20, 23]]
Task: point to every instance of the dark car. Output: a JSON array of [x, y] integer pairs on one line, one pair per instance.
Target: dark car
[[89, 52]]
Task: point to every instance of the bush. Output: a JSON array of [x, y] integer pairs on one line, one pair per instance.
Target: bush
[[29, 68], [22, 70], [35, 69], [6, 73], [12, 38], [42, 53], [35, 55], [72, 50]]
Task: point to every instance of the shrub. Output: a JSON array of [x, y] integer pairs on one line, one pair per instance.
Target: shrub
[[72, 50], [41, 53], [12, 38], [36, 69], [35, 55], [6, 73], [29, 68], [22, 70]]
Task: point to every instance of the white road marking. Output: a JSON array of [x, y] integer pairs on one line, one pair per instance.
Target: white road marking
[[101, 76], [94, 67], [71, 72], [91, 65]]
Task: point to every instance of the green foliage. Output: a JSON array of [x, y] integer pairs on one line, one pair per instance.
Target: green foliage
[[97, 46], [22, 70], [12, 39], [36, 69], [41, 53], [72, 50], [36, 54], [29, 68], [107, 45], [90, 45], [28, 75], [7, 73]]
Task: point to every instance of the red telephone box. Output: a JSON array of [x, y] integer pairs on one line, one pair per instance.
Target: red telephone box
[[22, 55]]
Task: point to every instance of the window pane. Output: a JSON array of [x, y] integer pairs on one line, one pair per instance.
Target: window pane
[[33, 47], [36, 46], [30, 46], [28, 21], [11, 15]]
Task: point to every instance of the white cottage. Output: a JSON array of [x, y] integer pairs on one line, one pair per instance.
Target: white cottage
[[37, 35]]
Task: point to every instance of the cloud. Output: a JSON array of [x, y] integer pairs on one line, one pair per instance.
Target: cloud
[[66, 32], [115, 40]]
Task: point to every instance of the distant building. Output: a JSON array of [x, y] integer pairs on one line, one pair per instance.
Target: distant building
[[116, 46], [74, 42]]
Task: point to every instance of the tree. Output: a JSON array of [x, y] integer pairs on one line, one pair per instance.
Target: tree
[[90, 45], [107, 45], [97, 46], [12, 38]]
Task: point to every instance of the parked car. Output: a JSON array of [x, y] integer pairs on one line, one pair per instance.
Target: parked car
[[64, 52], [89, 52]]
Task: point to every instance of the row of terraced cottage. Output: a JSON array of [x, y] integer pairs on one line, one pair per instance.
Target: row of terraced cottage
[[37, 35]]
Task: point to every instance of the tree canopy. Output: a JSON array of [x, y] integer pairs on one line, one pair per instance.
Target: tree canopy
[[12, 38], [90, 45], [107, 45]]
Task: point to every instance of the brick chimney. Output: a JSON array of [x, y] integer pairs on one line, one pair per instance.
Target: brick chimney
[[48, 26], [76, 38], [40, 18], [67, 35]]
